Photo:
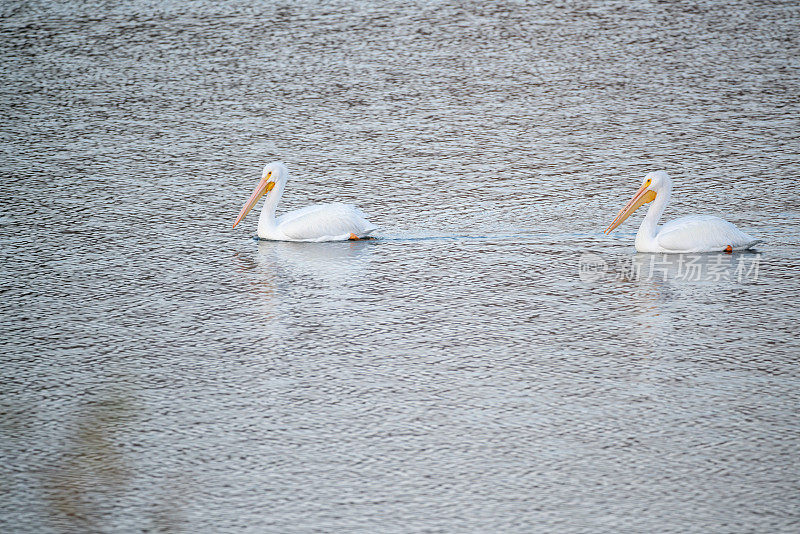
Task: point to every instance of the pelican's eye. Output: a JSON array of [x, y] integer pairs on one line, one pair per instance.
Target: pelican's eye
[[648, 182]]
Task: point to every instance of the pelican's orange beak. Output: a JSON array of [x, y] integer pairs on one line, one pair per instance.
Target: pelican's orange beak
[[642, 196], [263, 187]]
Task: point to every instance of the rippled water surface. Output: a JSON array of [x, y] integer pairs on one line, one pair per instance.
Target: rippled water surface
[[491, 363]]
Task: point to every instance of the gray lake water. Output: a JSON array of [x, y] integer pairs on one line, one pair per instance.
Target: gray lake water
[[491, 363]]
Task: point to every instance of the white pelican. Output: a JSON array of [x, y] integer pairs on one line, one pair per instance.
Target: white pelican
[[693, 233], [323, 222]]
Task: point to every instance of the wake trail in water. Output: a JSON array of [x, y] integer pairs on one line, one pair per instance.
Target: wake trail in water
[[463, 237]]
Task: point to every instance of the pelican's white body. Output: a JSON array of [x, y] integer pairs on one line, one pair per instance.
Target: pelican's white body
[[322, 222], [693, 233]]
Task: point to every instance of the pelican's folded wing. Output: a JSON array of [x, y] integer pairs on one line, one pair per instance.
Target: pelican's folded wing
[[325, 222], [700, 233]]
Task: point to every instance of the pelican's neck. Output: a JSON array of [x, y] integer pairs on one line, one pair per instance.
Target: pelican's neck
[[266, 220], [649, 227]]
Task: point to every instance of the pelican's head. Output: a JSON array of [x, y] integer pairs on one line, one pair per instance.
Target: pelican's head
[[653, 184], [274, 173]]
